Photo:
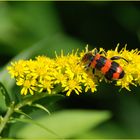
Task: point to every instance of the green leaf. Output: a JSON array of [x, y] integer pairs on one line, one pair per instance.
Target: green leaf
[[37, 124], [1, 118], [23, 113], [41, 107], [5, 94], [68, 124]]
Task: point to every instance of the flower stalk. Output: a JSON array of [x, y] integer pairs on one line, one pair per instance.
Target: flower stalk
[[7, 116], [44, 73]]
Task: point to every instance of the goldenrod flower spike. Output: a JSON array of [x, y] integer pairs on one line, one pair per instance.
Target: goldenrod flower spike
[[43, 73]]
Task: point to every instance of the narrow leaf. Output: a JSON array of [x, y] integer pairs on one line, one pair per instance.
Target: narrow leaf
[[23, 113], [41, 107], [5, 94]]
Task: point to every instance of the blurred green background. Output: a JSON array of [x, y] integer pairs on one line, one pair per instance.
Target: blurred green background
[[28, 29]]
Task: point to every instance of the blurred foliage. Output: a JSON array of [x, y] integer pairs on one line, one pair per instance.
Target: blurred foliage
[[28, 29], [66, 124]]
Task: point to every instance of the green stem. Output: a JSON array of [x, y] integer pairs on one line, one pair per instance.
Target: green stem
[[24, 102], [31, 99], [14, 108], [7, 116]]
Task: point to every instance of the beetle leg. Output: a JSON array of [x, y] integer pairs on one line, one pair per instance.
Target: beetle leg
[[118, 57], [93, 71], [87, 66]]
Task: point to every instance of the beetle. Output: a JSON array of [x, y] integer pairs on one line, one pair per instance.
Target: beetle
[[109, 68]]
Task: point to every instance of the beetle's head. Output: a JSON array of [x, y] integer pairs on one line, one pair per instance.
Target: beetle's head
[[87, 58]]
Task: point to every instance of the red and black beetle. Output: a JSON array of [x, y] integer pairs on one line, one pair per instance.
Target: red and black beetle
[[111, 69]]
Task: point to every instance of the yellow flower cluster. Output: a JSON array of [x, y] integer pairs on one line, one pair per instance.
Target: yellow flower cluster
[[43, 74], [132, 68], [67, 71]]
